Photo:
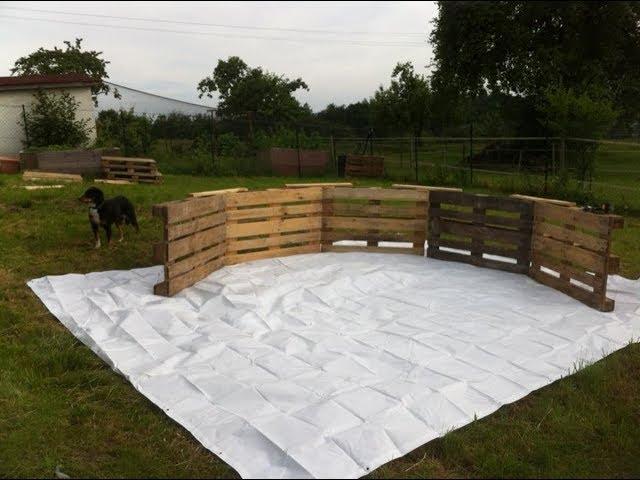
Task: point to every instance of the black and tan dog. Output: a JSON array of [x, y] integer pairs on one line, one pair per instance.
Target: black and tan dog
[[104, 213]]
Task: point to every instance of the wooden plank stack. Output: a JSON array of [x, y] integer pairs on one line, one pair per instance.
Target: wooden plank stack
[[374, 215], [571, 252], [128, 168], [34, 175], [193, 243], [482, 230], [364, 166]]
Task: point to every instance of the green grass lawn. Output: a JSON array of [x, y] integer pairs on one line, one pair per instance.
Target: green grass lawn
[[61, 405]]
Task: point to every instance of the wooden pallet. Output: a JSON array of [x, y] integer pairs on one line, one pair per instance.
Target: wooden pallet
[[193, 244], [273, 223], [128, 168], [469, 228], [571, 252], [374, 215], [364, 166]]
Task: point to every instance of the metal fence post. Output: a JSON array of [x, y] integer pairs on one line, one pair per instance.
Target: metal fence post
[[546, 174], [123, 133], [213, 139], [26, 127], [298, 150], [333, 151], [415, 153], [464, 154], [471, 153]]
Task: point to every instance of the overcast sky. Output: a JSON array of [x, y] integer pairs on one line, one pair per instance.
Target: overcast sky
[[338, 67]]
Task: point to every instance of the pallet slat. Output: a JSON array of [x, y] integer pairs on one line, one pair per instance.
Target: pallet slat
[[376, 194], [248, 199]]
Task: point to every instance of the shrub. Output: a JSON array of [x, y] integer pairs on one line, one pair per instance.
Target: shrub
[[52, 121]]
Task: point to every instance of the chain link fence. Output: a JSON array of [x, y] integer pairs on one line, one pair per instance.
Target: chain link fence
[[247, 145]]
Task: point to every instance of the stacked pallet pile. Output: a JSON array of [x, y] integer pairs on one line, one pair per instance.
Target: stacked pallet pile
[[364, 166], [133, 169]]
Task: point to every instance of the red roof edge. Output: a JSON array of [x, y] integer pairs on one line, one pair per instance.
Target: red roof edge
[[47, 80]]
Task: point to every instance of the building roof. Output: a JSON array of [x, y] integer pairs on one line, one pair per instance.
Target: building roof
[[22, 82]]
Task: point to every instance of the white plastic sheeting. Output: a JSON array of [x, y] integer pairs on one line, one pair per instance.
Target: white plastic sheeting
[[330, 365]]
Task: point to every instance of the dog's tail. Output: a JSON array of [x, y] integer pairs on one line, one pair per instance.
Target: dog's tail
[[130, 216]]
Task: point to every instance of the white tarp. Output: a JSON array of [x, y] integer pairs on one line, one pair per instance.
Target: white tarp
[[330, 365]]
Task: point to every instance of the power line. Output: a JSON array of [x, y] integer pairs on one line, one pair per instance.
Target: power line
[[224, 35], [218, 25]]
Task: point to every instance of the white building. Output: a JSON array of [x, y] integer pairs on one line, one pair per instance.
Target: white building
[[16, 95]]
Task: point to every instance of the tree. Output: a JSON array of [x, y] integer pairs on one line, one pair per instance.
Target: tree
[[242, 89], [52, 121], [353, 119], [72, 59], [522, 48], [129, 131], [405, 104], [570, 114]]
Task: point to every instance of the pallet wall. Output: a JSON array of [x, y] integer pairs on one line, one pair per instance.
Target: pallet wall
[[486, 231], [374, 215], [571, 252], [194, 241], [558, 245], [273, 223]]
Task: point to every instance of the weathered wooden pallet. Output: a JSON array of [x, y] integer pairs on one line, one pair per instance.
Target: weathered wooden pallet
[[481, 230], [364, 166], [128, 168], [273, 223], [193, 244], [374, 215], [571, 252]]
